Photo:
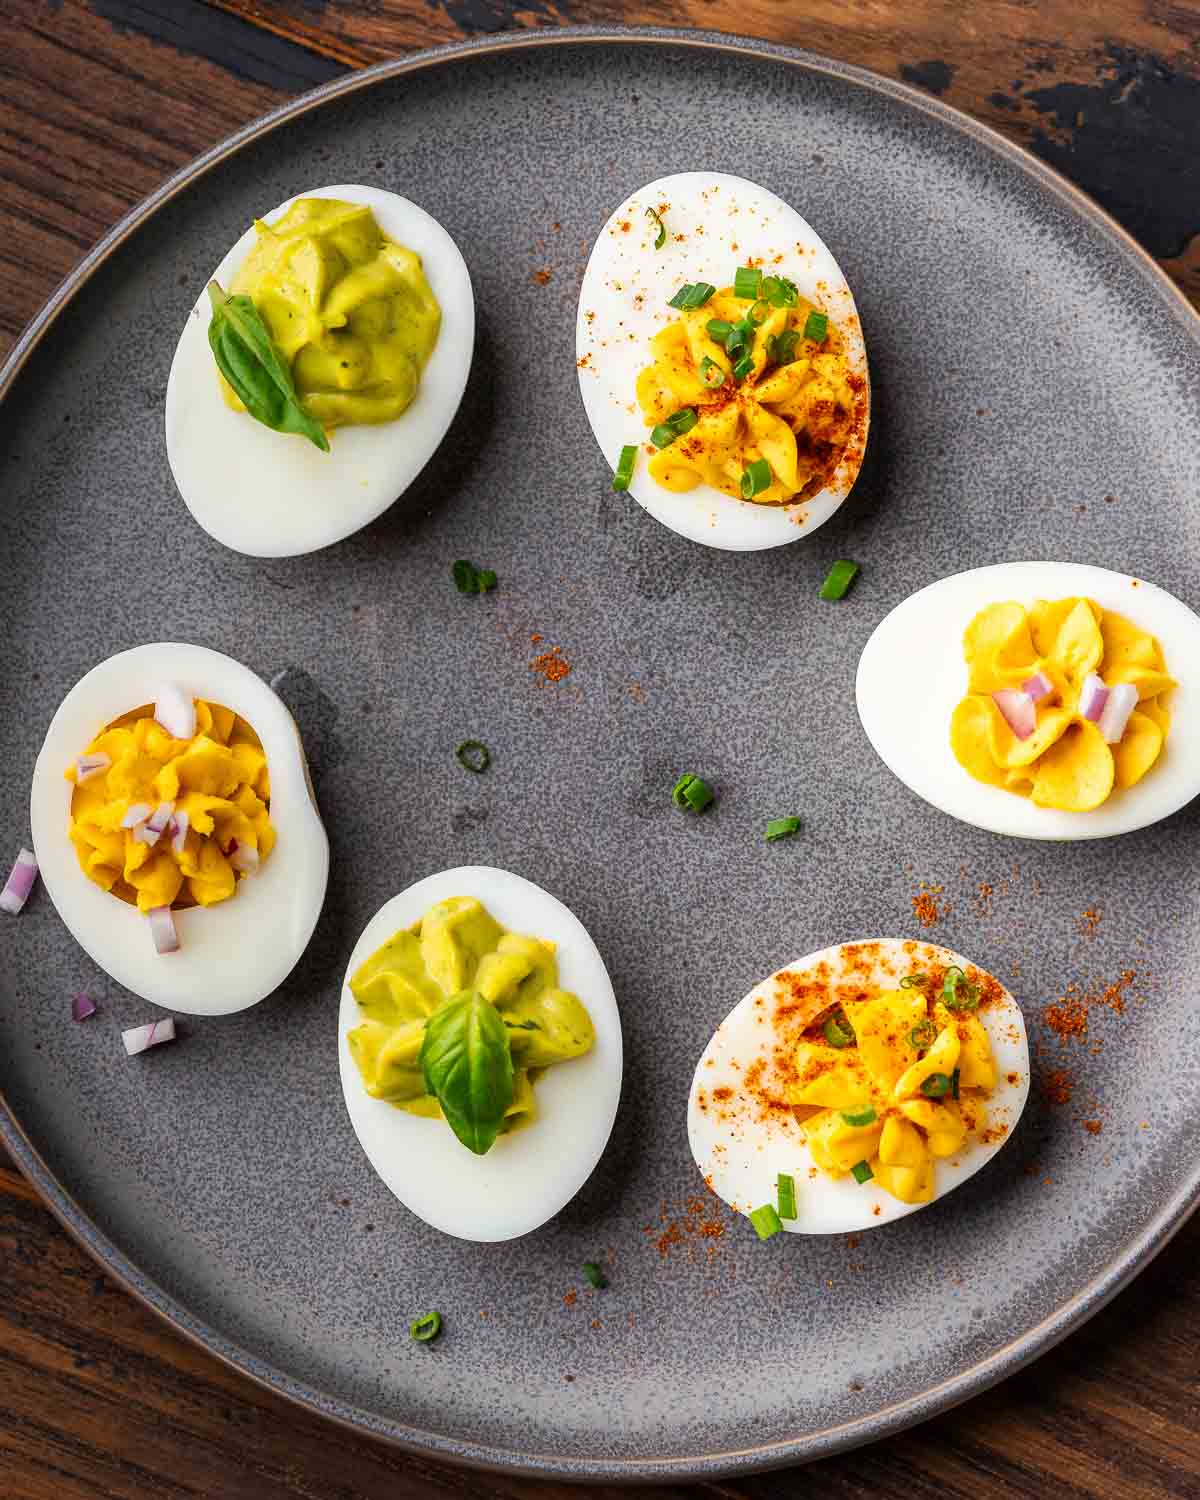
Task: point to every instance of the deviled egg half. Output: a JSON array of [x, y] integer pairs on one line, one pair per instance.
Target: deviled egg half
[[480, 1053], [176, 830], [721, 362], [1043, 700], [346, 317], [857, 1085]]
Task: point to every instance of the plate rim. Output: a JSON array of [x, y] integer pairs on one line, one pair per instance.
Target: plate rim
[[1116, 1273]]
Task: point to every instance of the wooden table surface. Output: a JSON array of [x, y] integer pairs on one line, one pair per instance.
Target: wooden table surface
[[103, 100]]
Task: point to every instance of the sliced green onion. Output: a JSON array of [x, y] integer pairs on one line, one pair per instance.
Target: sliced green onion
[[766, 1221], [816, 326], [781, 347], [680, 298], [595, 1276], [861, 1172], [954, 1083], [660, 239], [625, 467], [759, 313], [779, 291], [425, 1329], [695, 294], [859, 1117], [838, 1031], [914, 981], [683, 421], [663, 435], [711, 373], [743, 367], [958, 993], [468, 579], [781, 828], [746, 283], [756, 476], [785, 1191], [937, 1085], [718, 330], [838, 580], [923, 1035], [474, 755], [739, 341], [692, 792]]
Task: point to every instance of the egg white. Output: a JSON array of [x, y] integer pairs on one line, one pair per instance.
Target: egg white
[[272, 494], [623, 303], [527, 1177], [741, 1158], [912, 674], [230, 955]]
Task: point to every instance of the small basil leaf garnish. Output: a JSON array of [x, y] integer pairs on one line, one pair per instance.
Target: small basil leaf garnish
[[466, 1059], [247, 357]]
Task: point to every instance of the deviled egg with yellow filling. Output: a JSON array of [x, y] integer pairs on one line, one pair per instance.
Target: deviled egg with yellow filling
[[1045, 700], [721, 362], [858, 1085], [176, 830], [319, 370], [479, 1049]]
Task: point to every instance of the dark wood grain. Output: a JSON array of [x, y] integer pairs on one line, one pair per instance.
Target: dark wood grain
[[98, 103]]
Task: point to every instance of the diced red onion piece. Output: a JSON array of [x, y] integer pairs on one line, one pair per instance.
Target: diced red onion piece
[[19, 883], [88, 766], [1039, 687], [138, 813], [161, 816], [139, 1038], [244, 857], [82, 1007], [1093, 695], [175, 710], [144, 834], [1122, 700], [179, 831], [162, 930], [1019, 712]]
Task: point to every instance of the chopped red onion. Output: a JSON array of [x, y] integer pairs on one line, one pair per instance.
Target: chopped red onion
[[1019, 712], [82, 1007], [144, 834], [88, 766], [244, 857], [178, 829], [162, 930], [176, 712], [19, 883], [1122, 700], [140, 1038], [1039, 687], [1093, 695], [155, 825], [138, 813]]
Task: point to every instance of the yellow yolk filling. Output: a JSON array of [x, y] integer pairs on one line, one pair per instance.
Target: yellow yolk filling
[[882, 1074], [799, 416], [219, 778], [1065, 763]]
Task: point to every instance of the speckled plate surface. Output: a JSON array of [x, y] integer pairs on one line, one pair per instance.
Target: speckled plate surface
[[1034, 388]]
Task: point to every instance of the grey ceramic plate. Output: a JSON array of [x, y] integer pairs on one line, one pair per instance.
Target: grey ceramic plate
[[1035, 383]]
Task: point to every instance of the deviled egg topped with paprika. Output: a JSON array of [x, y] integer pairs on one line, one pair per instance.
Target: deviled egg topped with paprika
[[1045, 700], [319, 370], [721, 362], [175, 828], [480, 1053], [857, 1085]]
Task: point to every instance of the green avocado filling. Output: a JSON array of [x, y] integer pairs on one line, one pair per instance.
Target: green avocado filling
[[349, 311], [459, 1020]]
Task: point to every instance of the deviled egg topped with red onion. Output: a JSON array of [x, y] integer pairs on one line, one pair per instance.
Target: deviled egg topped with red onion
[[721, 362], [1038, 699], [175, 828]]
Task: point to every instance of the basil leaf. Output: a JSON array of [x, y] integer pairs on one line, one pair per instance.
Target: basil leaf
[[466, 1058], [247, 357]]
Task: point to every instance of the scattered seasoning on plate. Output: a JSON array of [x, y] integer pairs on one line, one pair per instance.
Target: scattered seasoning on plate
[[542, 277], [1067, 1017], [1058, 1086], [551, 665], [925, 906], [1089, 921]]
